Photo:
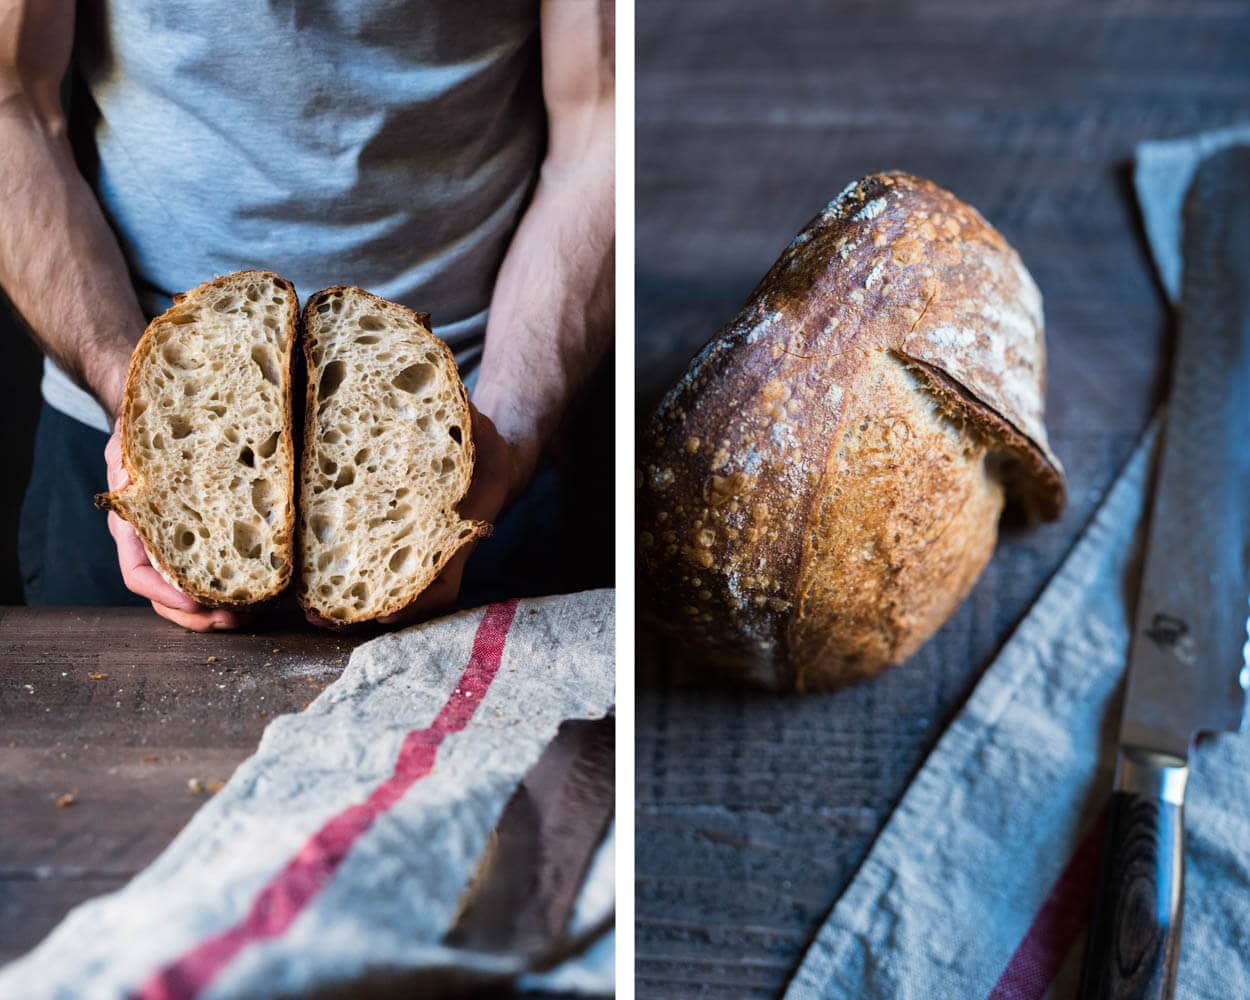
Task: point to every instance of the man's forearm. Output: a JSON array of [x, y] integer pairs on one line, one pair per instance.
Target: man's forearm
[[551, 317], [59, 262]]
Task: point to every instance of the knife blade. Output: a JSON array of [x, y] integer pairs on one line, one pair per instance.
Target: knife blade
[[1187, 655]]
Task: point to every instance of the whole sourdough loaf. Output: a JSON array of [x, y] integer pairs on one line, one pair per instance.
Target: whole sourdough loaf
[[822, 487], [206, 440], [388, 455]]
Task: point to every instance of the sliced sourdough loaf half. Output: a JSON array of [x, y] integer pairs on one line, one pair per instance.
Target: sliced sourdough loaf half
[[206, 439], [388, 455], [822, 487]]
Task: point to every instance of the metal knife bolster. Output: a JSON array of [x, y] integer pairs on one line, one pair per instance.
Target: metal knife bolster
[[1147, 774]]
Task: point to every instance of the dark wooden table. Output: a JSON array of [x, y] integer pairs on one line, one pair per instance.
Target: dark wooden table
[[123, 711], [753, 812]]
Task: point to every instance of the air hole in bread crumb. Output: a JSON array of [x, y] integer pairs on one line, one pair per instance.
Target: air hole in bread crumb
[[368, 338], [246, 540], [321, 527], [184, 538], [267, 447], [414, 378], [182, 318], [262, 498], [423, 422], [328, 466], [446, 467], [371, 321], [248, 457], [262, 354], [158, 442], [177, 356], [454, 431], [359, 591], [253, 293], [226, 304], [275, 561], [399, 559], [179, 426], [362, 456], [346, 477], [331, 436], [331, 378], [216, 411], [231, 435], [399, 513]]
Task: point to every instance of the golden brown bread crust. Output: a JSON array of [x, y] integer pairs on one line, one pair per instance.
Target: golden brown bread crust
[[480, 528], [744, 506], [116, 501]]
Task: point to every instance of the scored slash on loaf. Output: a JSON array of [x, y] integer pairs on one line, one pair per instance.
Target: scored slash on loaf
[[208, 441], [822, 487]]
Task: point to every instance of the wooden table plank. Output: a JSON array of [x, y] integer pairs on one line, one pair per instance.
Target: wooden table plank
[[754, 811], [126, 742]]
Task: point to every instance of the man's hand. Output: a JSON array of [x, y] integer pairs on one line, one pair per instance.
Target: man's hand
[[141, 577], [497, 478]]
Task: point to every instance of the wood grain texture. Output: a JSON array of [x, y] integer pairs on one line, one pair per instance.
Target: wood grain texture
[[1135, 937], [122, 709], [753, 811]]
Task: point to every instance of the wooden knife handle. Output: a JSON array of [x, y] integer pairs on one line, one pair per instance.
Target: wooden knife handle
[[1134, 940]]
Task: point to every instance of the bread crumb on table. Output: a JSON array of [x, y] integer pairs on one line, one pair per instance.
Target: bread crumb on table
[[211, 659], [98, 677], [66, 800]]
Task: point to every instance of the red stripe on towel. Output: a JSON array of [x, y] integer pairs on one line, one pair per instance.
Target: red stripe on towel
[[305, 875], [1057, 926]]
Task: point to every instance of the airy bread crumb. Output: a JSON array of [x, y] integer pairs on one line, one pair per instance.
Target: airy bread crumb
[[388, 454], [206, 440]]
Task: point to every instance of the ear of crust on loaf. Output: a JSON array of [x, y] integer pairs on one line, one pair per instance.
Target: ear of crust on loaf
[[388, 456], [735, 460], [210, 383]]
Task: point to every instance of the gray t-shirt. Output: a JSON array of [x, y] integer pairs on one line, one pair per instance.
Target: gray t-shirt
[[390, 144]]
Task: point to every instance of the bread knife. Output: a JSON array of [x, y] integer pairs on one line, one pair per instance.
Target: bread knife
[[1187, 669]]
